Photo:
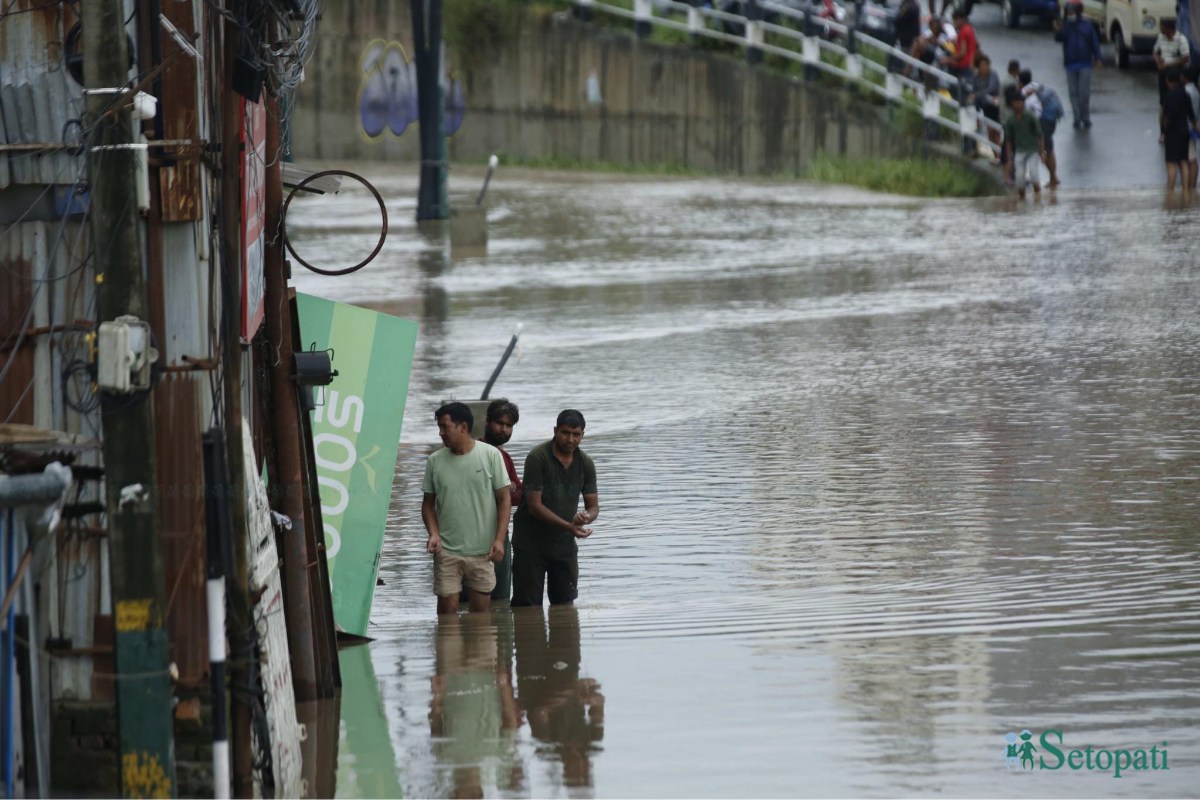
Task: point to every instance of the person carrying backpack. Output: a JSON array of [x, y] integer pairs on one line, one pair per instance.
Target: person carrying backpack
[[1044, 103], [1081, 51]]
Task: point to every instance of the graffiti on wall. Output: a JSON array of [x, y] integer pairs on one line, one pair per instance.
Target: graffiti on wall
[[387, 97]]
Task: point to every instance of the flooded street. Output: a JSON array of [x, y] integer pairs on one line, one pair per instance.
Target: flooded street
[[881, 481]]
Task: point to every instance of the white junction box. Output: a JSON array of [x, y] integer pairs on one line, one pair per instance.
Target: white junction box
[[124, 356]]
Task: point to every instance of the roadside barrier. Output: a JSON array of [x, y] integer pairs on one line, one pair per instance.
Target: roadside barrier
[[821, 45]]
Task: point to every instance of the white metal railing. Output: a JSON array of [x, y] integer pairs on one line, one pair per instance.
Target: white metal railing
[[932, 91]]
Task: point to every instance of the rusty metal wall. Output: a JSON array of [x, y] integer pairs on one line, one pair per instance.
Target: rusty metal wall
[[183, 411], [16, 363], [180, 182], [178, 400], [190, 295]]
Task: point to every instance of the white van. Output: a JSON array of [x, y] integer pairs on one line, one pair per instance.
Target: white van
[[1131, 25]]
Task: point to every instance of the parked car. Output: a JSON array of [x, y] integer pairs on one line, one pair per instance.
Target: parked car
[[1011, 11]]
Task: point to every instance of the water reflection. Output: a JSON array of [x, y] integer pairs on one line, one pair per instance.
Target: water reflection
[[564, 709], [473, 714], [895, 478], [367, 765], [482, 711]]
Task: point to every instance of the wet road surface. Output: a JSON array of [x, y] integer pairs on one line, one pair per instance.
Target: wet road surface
[[1122, 149]]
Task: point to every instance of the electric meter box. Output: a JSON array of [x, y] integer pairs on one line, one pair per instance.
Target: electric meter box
[[124, 356]]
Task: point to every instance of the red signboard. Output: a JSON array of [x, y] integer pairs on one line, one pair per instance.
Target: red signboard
[[254, 207]]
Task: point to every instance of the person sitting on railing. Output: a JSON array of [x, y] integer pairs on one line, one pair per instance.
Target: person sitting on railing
[[908, 28], [985, 94], [935, 38], [962, 63]]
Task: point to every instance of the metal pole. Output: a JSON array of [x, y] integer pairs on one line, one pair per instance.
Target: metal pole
[[492, 162], [241, 619], [288, 492], [512, 343], [754, 15], [427, 41], [216, 508], [145, 730], [10, 663]]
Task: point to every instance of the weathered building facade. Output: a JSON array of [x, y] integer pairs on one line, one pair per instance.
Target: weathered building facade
[[196, 198]]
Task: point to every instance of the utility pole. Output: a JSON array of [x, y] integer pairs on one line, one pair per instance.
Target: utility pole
[[144, 720], [241, 613], [431, 109]]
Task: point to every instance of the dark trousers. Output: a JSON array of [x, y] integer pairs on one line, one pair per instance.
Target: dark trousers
[[533, 571]]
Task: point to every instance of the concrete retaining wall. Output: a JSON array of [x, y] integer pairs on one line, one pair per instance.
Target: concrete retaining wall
[[660, 104]]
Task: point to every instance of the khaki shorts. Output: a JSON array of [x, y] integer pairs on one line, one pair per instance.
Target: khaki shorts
[[451, 571]]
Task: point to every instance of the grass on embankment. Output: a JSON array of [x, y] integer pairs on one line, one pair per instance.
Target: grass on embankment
[[915, 177]]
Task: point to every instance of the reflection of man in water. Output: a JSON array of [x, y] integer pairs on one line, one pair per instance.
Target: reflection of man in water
[[473, 715], [564, 710]]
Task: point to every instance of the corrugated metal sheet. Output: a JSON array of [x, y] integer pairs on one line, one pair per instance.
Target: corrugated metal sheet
[[187, 292], [37, 95], [183, 401], [38, 271], [37, 98], [177, 403], [40, 286]]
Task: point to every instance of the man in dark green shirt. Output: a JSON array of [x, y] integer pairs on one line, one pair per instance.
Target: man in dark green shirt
[[548, 523]]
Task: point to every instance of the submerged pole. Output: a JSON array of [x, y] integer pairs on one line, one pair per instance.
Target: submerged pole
[[512, 343], [427, 41]]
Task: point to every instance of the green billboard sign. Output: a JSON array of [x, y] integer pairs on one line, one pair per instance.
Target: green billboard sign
[[356, 430]]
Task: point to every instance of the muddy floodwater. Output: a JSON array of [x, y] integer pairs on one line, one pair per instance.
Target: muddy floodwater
[[882, 481]]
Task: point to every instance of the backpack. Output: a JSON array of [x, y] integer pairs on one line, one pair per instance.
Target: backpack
[[1052, 107]]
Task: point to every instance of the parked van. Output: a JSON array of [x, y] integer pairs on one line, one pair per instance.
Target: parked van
[[1131, 25]]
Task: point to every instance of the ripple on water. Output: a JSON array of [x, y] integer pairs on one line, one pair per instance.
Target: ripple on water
[[878, 477]]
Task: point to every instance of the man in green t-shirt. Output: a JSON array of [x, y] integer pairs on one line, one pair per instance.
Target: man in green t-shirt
[[549, 523], [465, 511]]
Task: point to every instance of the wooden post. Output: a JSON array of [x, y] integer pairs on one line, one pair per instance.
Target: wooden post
[[288, 491]]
